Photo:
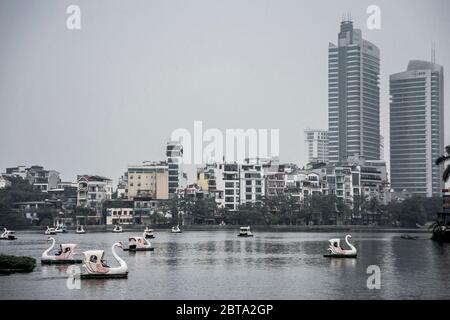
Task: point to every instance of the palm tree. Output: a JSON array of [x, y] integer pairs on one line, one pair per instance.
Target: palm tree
[[441, 160]]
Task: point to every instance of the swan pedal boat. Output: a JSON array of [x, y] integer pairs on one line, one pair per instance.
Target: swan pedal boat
[[96, 267], [8, 235], [245, 232], [148, 233], [50, 231], [80, 230], [65, 256], [176, 229], [60, 229], [138, 244], [117, 229], [336, 251]]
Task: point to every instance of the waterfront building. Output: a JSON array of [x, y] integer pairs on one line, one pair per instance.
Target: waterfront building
[[316, 145], [174, 153], [150, 179], [37, 176], [19, 171], [92, 191], [274, 178], [417, 128], [119, 216], [251, 182], [353, 96]]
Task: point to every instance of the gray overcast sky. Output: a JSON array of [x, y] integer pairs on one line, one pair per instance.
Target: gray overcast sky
[[110, 94]]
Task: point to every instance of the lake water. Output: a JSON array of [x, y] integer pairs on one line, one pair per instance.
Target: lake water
[[220, 265]]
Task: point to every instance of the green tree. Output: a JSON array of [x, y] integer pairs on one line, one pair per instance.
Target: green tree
[[442, 160]]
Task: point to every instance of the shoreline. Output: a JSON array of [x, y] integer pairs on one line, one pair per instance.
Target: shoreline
[[263, 228]]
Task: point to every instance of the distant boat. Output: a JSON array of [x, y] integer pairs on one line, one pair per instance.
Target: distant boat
[[425, 226], [409, 237], [138, 244], [50, 231], [176, 229], [60, 229], [8, 235], [117, 229], [80, 230], [245, 232], [148, 233], [336, 251]]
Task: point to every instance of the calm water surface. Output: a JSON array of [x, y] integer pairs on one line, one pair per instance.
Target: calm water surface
[[220, 265]]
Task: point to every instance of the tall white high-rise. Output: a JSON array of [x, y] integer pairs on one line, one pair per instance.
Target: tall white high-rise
[[174, 153], [417, 128], [353, 96], [316, 144]]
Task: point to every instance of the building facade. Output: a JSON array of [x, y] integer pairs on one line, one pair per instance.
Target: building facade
[[353, 96], [417, 128], [174, 153], [149, 179], [92, 191], [316, 144]]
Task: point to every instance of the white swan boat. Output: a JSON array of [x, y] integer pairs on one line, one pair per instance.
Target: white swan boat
[[336, 251], [148, 233], [138, 244], [245, 232], [80, 230], [97, 268], [117, 229], [50, 231], [64, 255], [60, 229], [176, 229], [8, 235]]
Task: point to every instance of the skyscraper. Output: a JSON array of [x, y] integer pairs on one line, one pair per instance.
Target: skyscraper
[[353, 96], [316, 143], [417, 128]]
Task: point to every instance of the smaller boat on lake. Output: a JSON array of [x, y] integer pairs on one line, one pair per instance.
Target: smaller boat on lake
[[176, 229], [117, 229], [50, 231], [80, 230], [409, 237], [138, 244], [65, 255], [337, 251], [97, 268], [245, 232], [148, 233], [8, 235], [60, 229]]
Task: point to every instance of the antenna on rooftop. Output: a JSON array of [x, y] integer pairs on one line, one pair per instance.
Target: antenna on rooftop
[[433, 52]]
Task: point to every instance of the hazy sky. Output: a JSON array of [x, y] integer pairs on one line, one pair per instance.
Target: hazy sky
[[110, 94]]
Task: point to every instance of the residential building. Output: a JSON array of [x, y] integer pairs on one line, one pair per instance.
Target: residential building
[[92, 191], [316, 145], [174, 153], [150, 179], [41, 179], [353, 96], [251, 182]]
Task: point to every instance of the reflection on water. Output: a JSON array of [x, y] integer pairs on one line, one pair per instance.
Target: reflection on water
[[220, 265]]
